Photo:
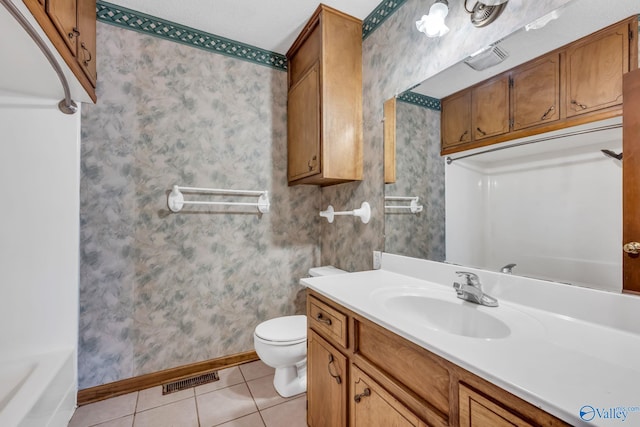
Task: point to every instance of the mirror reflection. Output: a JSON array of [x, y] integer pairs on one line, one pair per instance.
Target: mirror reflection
[[550, 209]]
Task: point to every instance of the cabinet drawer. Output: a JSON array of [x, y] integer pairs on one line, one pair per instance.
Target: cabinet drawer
[[328, 321], [410, 366]]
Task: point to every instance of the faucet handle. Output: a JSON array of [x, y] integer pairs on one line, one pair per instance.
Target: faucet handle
[[472, 278]]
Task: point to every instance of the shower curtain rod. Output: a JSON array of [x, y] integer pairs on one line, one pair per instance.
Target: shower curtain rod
[[67, 105], [450, 160]]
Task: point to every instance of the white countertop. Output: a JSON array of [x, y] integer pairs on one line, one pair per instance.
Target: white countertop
[[560, 363]]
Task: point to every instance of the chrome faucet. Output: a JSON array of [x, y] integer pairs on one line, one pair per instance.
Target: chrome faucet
[[507, 268], [471, 290]]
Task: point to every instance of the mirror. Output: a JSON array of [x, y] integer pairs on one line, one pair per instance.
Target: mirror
[[553, 207]]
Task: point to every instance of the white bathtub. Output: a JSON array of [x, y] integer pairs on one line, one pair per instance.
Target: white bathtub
[[38, 391]]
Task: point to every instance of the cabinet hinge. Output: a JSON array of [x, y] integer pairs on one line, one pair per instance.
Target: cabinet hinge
[[510, 82], [630, 34], [511, 123]]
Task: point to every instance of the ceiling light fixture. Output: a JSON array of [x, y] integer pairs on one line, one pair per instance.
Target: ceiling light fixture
[[433, 24], [485, 12]]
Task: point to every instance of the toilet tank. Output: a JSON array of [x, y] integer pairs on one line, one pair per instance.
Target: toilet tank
[[326, 270]]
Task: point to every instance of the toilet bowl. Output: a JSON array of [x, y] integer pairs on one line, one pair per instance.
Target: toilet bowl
[[282, 344]]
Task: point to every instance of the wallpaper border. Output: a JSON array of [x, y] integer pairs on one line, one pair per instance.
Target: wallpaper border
[[420, 100], [151, 25], [141, 22], [379, 15]]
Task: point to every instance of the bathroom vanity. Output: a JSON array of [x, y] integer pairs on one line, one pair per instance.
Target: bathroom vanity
[[396, 347]]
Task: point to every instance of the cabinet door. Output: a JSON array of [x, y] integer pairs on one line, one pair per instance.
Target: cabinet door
[[594, 71], [456, 119], [303, 126], [86, 56], [63, 15], [478, 411], [490, 108], [372, 406], [326, 384], [535, 95]]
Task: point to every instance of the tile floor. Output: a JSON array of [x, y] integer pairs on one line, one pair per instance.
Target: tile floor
[[243, 397]]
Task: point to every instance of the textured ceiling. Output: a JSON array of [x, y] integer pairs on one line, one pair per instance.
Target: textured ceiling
[[271, 25]]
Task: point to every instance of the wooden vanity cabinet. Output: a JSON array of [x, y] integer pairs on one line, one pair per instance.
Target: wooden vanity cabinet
[[327, 384], [71, 27], [375, 378], [372, 405], [324, 106], [477, 410], [595, 66]]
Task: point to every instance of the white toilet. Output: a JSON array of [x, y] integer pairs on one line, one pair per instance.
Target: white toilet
[[282, 344]]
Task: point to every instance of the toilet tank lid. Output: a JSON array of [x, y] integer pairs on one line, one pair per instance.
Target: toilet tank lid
[[286, 328], [325, 271]]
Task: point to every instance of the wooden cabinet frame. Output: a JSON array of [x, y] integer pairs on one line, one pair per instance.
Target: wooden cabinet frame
[[423, 388], [608, 110]]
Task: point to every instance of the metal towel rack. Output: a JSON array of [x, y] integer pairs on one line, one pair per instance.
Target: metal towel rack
[[364, 213], [176, 200], [67, 105], [413, 206]]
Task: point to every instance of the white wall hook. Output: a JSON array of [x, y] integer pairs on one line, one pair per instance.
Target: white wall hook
[[364, 213]]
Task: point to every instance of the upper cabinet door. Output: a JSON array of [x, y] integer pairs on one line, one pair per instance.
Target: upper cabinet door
[[535, 92], [490, 108], [303, 126], [63, 15], [594, 71], [86, 56], [456, 119]]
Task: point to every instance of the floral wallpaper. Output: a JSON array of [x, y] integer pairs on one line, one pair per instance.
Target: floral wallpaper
[[419, 172], [161, 289]]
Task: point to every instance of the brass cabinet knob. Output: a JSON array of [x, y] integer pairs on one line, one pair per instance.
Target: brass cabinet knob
[[632, 248]]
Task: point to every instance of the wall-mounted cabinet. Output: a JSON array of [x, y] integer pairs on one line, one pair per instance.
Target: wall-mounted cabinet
[[324, 108], [576, 84], [392, 381], [71, 27]]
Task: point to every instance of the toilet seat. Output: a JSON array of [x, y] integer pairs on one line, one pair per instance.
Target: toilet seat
[[284, 330]]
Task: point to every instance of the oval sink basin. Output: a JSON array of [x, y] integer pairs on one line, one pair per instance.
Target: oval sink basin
[[459, 318]]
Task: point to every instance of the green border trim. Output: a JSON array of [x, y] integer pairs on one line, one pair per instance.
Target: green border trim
[[420, 100], [140, 22], [379, 15]]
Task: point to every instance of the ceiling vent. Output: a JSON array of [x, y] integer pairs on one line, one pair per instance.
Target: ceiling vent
[[486, 58]]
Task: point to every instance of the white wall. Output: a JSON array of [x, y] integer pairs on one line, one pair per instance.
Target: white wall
[[39, 175], [554, 210]]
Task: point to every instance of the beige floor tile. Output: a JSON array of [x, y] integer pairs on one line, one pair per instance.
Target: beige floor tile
[[228, 377], [152, 397], [106, 410], [119, 422], [264, 393], [178, 414], [224, 405], [252, 420], [290, 414], [256, 369]]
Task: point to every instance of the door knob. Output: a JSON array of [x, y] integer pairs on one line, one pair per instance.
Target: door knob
[[632, 248]]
